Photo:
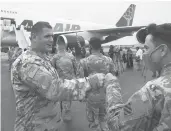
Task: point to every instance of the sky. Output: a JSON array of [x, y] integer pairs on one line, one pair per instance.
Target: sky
[[100, 12]]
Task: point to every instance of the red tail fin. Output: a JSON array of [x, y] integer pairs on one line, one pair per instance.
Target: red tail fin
[[127, 18]]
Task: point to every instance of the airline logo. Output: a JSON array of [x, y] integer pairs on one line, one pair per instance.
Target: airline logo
[[59, 27]]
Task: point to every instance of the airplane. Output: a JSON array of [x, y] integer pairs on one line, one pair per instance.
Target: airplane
[[74, 31]]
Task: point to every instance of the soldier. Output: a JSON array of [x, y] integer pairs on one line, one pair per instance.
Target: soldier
[[16, 53], [87, 50], [65, 64], [79, 54], [148, 109], [38, 88], [111, 52], [95, 105]]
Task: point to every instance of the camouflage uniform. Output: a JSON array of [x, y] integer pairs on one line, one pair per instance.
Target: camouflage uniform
[[148, 109], [80, 70], [15, 54], [65, 64], [118, 59], [38, 89], [95, 106]]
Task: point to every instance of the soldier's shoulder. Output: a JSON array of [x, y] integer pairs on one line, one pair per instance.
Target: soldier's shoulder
[[90, 57], [25, 58], [29, 57], [106, 58], [163, 82], [94, 58]]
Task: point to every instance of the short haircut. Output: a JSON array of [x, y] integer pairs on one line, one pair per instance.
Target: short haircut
[[161, 33], [95, 43], [38, 27]]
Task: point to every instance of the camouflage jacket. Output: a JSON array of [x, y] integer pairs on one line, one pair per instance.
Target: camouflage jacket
[[80, 70], [16, 53], [65, 64], [148, 109], [38, 89], [97, 63]]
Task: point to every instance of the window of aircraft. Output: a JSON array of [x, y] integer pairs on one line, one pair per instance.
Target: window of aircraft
[[8, 11]]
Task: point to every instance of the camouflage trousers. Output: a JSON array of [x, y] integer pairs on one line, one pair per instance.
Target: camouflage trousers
[[66, 110], [96, 116]]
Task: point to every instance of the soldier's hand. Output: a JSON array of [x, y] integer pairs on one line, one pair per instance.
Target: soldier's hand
[[96, 81]]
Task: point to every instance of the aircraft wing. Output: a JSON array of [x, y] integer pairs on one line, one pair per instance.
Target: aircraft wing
[[110, 34], [116, 33], [116, 30], [106, 31]]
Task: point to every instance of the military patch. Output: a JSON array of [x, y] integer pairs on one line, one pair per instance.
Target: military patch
[[32, 71]]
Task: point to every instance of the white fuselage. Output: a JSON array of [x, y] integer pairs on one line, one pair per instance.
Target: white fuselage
[[59, 25]]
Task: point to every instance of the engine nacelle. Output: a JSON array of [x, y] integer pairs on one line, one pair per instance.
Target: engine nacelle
[[71, 40]]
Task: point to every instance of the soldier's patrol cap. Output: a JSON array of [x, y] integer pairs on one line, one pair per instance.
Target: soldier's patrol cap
[[162, 31]]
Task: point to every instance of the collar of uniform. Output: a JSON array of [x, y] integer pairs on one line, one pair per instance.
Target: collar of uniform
[[166, 69], [41, 54]]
